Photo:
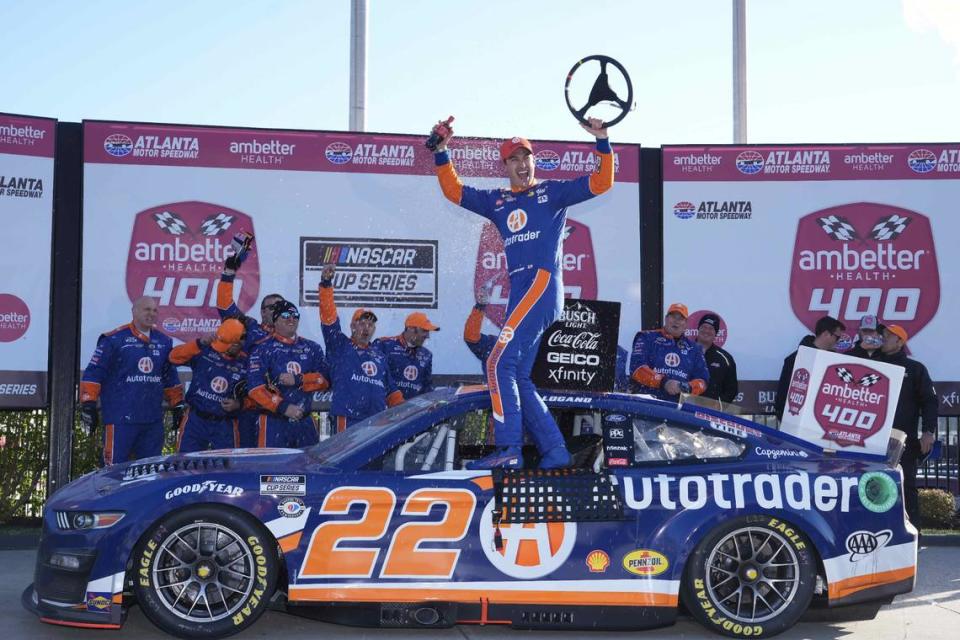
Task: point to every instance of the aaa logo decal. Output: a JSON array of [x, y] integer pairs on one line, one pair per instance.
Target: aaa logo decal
[[531, 550], [862, 259]]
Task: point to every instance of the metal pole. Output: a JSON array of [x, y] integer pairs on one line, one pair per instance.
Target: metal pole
[[739, 71], [358, 64]]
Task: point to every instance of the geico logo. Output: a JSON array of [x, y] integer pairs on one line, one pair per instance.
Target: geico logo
[[203, 487], [383, 256], [207, 250], [885, 258], [573, 358], [273, 147], [734, 491]]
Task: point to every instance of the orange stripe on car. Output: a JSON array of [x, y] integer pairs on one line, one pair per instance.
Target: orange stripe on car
[[290, 542], [849, 586], [386, 594]]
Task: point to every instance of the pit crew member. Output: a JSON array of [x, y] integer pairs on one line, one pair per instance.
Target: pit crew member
[[665, 363], [410, 363]]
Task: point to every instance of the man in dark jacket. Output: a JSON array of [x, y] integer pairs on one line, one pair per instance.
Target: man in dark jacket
[[721, 365], [917, 404], [827, 332], [869, 339]]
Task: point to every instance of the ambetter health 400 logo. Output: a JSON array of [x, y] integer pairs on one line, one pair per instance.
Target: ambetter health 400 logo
[[176, 255], [865, 259]]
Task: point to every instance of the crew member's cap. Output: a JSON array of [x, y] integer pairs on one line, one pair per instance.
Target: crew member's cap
[[281, 307], [510, 145], [711, 319], [680, 308], [869, 322], [362, 313], [230, 332], [420, 320], [898, 331]]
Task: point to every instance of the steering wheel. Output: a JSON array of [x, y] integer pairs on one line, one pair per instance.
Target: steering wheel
[[601, 91]]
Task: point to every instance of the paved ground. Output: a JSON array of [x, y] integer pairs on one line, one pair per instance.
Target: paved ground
[[931, 612]]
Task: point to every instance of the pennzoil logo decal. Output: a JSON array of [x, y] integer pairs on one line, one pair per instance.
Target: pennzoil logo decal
[[645, 562]]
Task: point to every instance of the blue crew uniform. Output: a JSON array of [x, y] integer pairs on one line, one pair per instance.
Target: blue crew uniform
[[130, 375], [257, 333], [411, 368], [657, 357], [206, 425], [360, 376], [480, 344], [531, 222], [305, 360]]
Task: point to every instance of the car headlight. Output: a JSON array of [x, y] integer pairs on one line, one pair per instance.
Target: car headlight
[[79, 520]]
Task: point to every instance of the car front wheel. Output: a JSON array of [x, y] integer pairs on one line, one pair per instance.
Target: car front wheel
[[752, 577], [205, 572]]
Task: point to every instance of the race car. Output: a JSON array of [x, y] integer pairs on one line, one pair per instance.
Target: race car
[[664, 508]]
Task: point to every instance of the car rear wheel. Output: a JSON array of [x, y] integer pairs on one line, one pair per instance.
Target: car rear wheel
[[752, 577], [205, 572]]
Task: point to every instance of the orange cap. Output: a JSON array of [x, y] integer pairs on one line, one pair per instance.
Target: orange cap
[[359, 313], [420, 321], [229, 332], [898, 331], [680, 308], [510, 145]]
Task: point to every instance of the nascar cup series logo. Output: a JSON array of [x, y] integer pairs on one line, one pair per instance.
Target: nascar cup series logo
[[852, 403], [577, 260], [14, 317], [176, 255], [865, 259]]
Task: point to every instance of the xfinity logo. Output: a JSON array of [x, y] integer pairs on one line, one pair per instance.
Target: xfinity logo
[[861, 544]]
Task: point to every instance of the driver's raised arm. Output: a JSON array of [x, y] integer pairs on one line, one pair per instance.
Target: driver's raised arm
[[454, 190]]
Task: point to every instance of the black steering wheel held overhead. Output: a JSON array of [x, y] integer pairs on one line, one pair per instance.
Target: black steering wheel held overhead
[[601, 91]]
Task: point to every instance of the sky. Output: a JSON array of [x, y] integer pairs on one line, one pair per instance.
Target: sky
[[817, 71]]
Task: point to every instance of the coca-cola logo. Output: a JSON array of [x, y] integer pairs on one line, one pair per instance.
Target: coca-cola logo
[[583, 341], [176, 255], [577, 261], [865, 259], [693, 326], [852, 403], [14, 317], [797, 392]]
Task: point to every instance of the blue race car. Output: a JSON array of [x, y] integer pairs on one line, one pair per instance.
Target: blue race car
[[743, 526]]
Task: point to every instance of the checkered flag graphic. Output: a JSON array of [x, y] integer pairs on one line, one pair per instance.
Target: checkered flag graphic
[[838, 228], [844, 374], [171, 223], [869, 380], [889, 227], [215, 225]]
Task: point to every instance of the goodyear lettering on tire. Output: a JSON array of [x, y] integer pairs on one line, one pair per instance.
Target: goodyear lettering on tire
[[257, 594], [745, 630]]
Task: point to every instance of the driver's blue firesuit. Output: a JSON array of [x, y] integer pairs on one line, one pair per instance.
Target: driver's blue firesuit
[[531, 222], [658, 357]]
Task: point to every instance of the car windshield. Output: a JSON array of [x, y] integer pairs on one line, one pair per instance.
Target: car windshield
[[335, 448]]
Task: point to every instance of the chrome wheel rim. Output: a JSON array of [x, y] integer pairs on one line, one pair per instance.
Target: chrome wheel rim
[[203, 572], [752, 575]]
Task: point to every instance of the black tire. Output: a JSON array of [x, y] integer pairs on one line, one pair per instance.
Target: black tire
[[750, 578], [205, 572]]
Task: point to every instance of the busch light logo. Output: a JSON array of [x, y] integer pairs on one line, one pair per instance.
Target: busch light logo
[[865, 259], [861, 544], [118, 145], [338, 152], [852, 403], [797, 392], [547, 160], [693, 327], [577, 261], [749, 162], [684, 210], [922, 161], [176, 255]]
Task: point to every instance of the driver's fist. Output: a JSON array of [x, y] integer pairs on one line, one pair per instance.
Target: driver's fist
[[294, 412], [326, 276]]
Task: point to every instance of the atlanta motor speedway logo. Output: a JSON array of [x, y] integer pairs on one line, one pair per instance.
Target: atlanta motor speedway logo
[[176, 255], [865, 258]]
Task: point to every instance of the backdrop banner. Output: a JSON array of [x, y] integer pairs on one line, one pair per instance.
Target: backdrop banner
[[161, 204], [26, 216], [773, 238]]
